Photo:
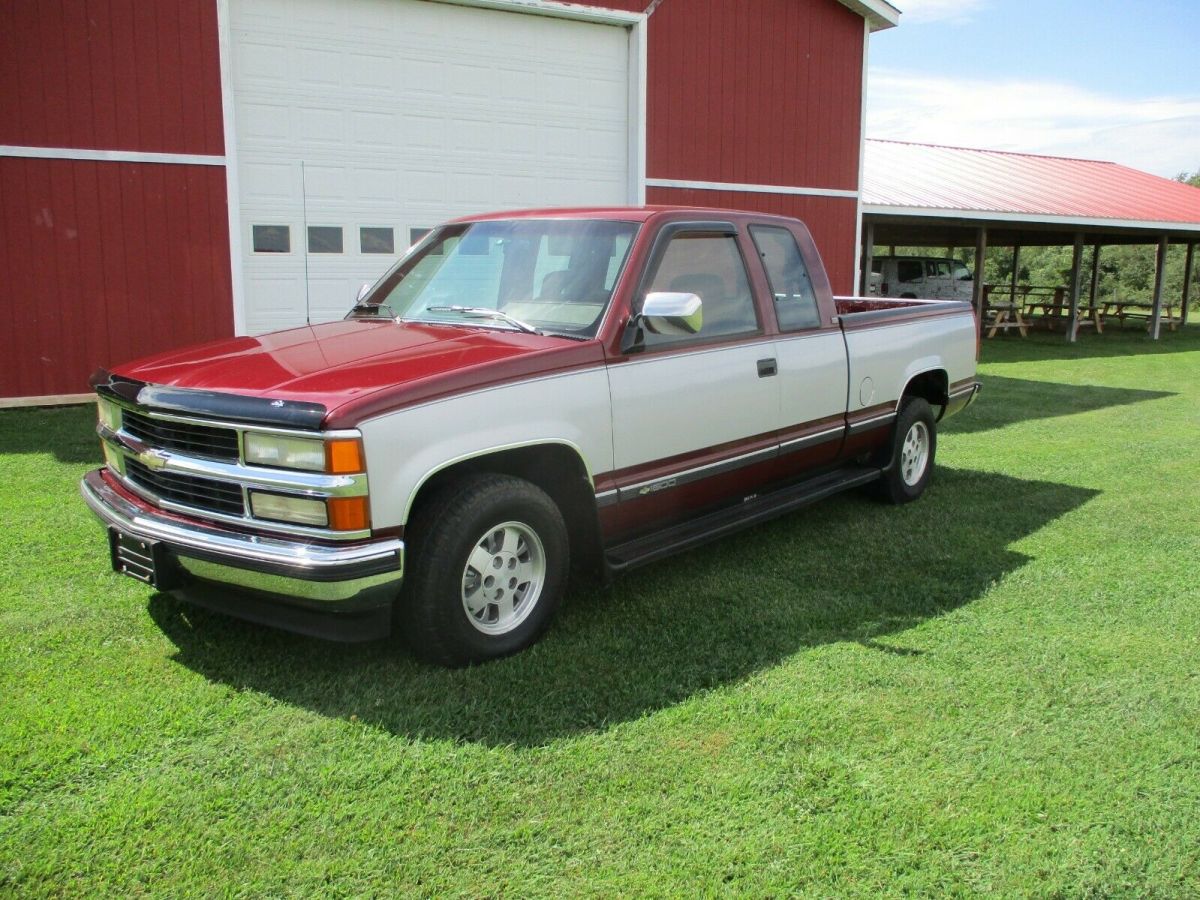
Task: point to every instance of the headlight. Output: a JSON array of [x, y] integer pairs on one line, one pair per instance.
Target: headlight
[[338, 456], [284, 452], [109, 414], [281, 508]]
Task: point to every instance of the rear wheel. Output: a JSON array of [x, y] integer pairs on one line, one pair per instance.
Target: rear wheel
[[914, 445], [489, 561]]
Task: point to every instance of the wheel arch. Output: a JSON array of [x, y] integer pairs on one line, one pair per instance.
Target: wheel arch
[[931, 384], [557, 467]]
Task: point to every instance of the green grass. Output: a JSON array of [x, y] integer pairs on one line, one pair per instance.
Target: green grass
[[994, 690]]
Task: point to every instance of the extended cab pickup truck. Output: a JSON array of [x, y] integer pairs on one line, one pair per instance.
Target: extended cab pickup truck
[[520, 395]]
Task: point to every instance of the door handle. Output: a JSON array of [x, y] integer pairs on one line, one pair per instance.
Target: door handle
[[767, 368]]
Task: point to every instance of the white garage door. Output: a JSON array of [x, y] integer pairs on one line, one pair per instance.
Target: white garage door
[[361, 122]]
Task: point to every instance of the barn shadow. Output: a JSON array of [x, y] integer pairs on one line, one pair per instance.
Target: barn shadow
[[68, 432], [845, 570]]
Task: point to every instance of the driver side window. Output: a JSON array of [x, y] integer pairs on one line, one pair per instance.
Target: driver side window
[[711, 267]]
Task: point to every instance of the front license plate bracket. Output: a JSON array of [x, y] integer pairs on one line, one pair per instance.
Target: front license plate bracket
[[147, 561]]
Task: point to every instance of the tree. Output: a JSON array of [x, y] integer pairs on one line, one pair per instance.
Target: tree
[[1192, 178]]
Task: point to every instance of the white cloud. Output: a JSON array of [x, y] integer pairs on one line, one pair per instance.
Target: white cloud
[[916, 12], [1159, 135]]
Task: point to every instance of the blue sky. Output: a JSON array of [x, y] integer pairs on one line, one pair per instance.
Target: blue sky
[[1106, 79]]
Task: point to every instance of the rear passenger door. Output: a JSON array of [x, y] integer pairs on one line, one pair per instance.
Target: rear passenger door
[[694, 416], [811, 355]]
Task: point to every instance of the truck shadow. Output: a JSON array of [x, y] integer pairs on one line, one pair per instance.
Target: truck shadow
[[1005, 401], [846, 570]]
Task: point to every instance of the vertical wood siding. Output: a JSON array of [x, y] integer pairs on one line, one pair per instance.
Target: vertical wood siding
[[830, 219], [104, 262], [762, 92], [111, 75]]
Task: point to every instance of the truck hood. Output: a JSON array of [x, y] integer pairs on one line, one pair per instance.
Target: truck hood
[[359, 368]]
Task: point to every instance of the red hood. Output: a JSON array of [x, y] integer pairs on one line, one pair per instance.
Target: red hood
[[361, 368]]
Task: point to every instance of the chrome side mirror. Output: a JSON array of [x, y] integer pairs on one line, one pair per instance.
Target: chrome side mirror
[[363, 291], [669, 312]]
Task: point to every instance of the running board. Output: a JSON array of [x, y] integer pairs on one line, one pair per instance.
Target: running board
[[714, 525]]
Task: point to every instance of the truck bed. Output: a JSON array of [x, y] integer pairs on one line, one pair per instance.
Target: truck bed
[[861, 311]]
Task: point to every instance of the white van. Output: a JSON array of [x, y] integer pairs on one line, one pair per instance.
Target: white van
[[924, 277]]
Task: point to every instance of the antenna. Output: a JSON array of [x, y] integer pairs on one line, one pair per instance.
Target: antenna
[[304, 239]]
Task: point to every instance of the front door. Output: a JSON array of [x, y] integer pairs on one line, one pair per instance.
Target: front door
[[694, 416]]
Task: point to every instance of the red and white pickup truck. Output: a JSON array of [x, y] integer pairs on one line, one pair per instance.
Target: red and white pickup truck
[[521, 395]]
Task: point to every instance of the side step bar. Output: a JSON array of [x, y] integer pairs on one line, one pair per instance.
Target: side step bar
[[714, 525]]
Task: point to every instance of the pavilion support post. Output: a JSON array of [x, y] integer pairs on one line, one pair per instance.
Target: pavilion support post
[[868, 256], [1094, 289], [1076, 276], [980, 259], [1187, 283], [1016, 270], [1160, 269]]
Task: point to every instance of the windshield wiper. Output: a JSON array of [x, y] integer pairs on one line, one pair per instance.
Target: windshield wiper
[[485, 313]]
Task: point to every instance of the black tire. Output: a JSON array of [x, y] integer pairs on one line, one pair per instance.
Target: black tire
[[900, 482], [476, 516]]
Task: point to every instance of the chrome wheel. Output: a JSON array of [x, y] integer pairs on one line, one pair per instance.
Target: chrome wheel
[[503, 578], [914, 453]]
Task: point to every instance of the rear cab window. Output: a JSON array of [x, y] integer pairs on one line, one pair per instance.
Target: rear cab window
[[791, 288]]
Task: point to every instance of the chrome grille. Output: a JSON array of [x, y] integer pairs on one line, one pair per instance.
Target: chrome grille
[[188, 490], [209, 441]]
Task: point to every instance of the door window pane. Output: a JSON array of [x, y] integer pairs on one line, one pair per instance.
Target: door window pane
[[324, 239], [795, 299], [377, 240], [909, 270], [271, 238], [710, 266]]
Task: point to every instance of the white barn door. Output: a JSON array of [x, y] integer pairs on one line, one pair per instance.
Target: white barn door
[[360, 122]]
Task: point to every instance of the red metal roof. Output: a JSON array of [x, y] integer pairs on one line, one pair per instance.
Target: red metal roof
[[928, 179]]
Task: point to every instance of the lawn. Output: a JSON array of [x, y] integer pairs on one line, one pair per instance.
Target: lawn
[[996, 689]]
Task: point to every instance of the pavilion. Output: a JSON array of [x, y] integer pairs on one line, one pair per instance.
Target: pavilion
[[931, 196]]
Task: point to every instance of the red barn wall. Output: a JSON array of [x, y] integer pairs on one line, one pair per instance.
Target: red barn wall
[[105, 261], [762, 93]]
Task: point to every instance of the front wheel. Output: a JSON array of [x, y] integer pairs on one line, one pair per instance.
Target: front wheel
[[489, 561], [913, 447]]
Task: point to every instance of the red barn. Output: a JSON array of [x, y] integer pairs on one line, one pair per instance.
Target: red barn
[[182, 170]]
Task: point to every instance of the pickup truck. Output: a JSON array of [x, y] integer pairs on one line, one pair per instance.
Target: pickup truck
[[522, 396]]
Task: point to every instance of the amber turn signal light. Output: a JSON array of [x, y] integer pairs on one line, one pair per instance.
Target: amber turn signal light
[[344, 456], [348, 514]]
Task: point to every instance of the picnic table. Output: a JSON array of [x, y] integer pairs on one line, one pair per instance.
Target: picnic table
[[1031, 304], [1140, 309], [1001, 315], [1052, 308]]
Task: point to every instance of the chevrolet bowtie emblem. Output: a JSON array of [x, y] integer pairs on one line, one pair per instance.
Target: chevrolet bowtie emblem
[[152, 459]]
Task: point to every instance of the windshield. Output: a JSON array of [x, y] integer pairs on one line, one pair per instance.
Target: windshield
[[554, 275]]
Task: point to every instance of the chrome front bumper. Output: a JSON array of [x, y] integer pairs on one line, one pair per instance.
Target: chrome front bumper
[[320, 577]]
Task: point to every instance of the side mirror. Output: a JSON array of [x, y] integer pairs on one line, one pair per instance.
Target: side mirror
[[668, 312], [363, 291]]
